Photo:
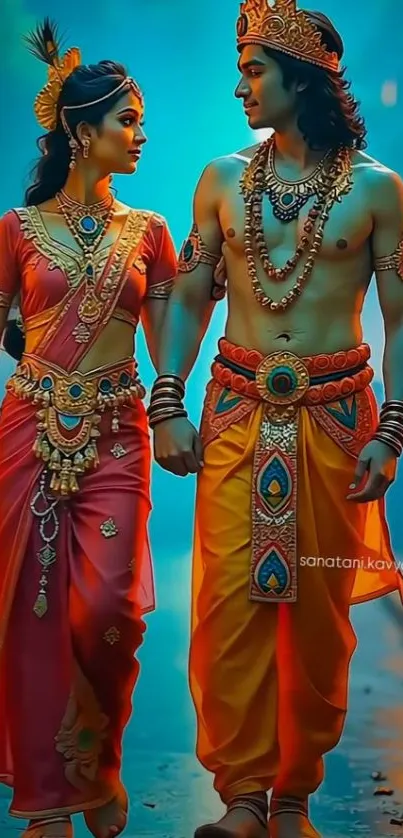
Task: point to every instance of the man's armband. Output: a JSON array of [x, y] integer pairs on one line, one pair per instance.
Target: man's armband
[[194, 252], [393, 262]]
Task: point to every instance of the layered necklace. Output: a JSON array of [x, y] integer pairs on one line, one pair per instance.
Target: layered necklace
[[88, 226], [288, 199], [329, 183]]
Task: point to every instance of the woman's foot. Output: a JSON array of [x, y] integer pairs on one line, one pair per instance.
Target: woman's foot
[[109, 820], [49, 828]]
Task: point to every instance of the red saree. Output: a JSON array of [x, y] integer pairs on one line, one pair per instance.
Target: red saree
[[75, 568]]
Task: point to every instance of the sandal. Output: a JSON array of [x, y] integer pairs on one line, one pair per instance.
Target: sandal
[[47, 828]]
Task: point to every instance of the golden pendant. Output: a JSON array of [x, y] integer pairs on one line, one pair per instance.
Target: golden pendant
[[90, 308]]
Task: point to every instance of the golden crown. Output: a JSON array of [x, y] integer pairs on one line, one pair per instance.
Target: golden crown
[[281, 26]]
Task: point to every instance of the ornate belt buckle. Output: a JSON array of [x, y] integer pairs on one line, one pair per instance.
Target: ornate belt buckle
[[74, 395], [282, 380]]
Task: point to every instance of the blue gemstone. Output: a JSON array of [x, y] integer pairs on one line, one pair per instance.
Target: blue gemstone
[[281, 381], [75, 391], [188, 251], [105, 385], [89, 270], [69, 422], [88, 224], [124, 379], [287, 199], [46, 383]]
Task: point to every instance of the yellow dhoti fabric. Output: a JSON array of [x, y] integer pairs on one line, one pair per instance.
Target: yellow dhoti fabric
[[270, 680]]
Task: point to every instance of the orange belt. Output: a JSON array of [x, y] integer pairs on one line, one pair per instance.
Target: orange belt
[[285, 379]]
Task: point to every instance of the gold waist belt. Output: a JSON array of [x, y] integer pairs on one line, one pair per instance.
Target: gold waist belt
[[70, 410]]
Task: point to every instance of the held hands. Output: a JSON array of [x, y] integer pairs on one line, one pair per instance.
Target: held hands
[[378, 462], [178, 447]]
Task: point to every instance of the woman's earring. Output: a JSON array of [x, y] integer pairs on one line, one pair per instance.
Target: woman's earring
[[74, 148], [86, 148]]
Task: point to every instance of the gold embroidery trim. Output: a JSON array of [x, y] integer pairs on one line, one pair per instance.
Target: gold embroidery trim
[[393, 262], [273, 569], [126, 317], [41, 319], [161, 290], [129, 238], [59, 255]]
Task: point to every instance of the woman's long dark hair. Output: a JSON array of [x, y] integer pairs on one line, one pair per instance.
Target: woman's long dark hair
[[328, 114], [86, 83]]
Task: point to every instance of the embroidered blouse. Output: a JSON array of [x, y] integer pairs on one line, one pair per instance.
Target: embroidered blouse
[[40, 270]]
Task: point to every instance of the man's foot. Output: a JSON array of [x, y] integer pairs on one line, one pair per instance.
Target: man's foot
[[109, 820], [289, 819], [246, 817], [49, 828]]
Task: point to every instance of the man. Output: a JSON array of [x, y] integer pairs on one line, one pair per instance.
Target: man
[[293, 462]]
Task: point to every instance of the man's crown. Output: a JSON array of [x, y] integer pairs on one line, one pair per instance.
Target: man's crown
[[281, 26]]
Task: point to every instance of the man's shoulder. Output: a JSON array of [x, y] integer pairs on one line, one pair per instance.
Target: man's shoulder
[[231, 163], [380, 181]]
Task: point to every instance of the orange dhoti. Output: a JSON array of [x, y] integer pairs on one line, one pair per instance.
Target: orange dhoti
[[279, 557]]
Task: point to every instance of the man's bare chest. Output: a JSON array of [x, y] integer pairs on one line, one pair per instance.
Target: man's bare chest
[[346, 231]]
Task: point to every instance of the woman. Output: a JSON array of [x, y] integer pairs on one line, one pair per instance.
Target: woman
[[75, 572]]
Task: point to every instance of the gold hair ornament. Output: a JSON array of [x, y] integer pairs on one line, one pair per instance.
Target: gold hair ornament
[[44, 44], [281, 26]]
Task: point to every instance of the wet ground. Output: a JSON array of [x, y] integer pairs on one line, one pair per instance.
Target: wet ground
[[171, 795]]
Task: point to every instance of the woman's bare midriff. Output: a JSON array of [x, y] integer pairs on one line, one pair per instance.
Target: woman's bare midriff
[[115, 344]]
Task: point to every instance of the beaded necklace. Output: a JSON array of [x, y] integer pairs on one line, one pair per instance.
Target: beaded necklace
[[335, 182]]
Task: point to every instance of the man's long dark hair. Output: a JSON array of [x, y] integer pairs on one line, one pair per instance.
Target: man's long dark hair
[[328, 114]]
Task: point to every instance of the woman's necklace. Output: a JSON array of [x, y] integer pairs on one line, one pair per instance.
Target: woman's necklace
[[88, 226]]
